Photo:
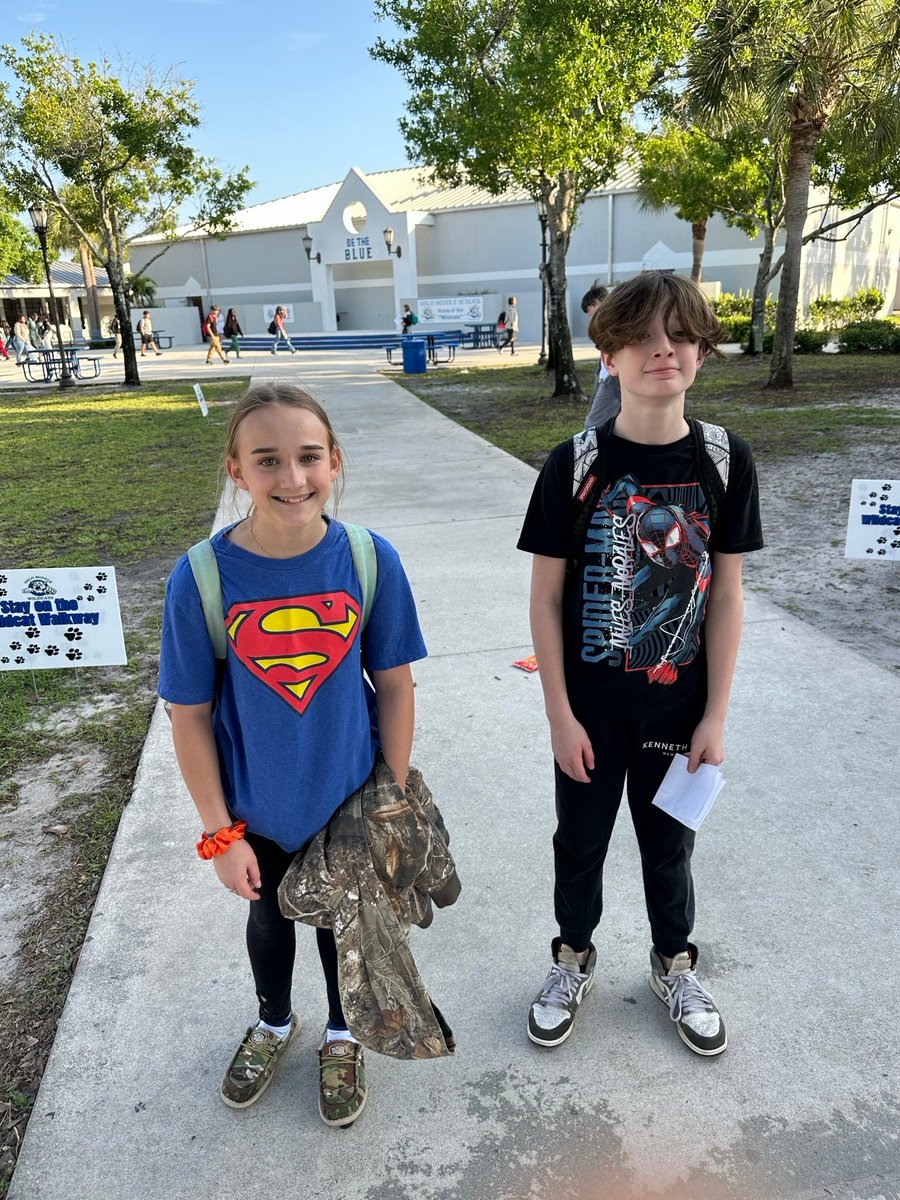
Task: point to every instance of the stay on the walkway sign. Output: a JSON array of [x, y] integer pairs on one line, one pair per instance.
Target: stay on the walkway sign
[[60, 617]]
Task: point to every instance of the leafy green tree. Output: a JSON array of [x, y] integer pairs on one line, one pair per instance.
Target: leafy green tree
[[814, 67], [109, 155], [20, 253], [534, 94], [700, 175]]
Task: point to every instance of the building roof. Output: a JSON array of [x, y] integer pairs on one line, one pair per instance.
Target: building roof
[[401, 190], [63, 274]]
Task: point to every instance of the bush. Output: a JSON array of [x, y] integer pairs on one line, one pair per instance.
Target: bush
[[825, 312], [728, 305], [735, 329], [806, 341], [870, 337]]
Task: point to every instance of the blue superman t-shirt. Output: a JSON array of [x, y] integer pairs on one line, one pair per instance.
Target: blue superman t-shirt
[[295, 721]]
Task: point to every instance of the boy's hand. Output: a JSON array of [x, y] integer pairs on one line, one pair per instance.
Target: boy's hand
[[238, 870], [707, 744], [572, 749]]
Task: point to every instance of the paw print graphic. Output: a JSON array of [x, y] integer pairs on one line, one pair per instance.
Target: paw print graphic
[[15, 645], [882, 552], [51, 650], [92, 599], [20, 658], [2, 579], [34, 649], [884, 496], [869, 550], [101, 590], [872, 495], [73, 635], [101, 578], [79, 597], [73, 654], [32, 633], [882, 541], [4, 660], [88, 587], [2, 591], [886, 487], [871, 505]]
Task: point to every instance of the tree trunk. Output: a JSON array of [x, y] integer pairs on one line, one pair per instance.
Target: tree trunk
[[804, 138], [561, 198], [698, 245], [763, 278], [123, 312], [90, 285]]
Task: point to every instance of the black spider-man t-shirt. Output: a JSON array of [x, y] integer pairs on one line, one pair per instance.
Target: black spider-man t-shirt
[[634, 607]]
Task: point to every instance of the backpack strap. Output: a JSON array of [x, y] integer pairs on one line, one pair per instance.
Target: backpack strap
[[362, 550], [588, 473], [202, 558], [712, 451]]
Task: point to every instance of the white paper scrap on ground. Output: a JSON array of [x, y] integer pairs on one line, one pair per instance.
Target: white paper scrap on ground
[[688, 798], [201, 399], [873, 522], [60, 617]]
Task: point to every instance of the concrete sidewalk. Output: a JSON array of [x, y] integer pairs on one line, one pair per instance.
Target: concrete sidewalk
[[797, 902]]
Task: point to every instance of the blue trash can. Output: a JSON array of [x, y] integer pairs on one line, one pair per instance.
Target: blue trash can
[[413, 356]]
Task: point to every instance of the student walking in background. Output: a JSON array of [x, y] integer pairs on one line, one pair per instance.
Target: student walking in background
[[232, 330], [638, 531], [286, 744], [607, 399], [277, 328], [511, 326], [215, 342]]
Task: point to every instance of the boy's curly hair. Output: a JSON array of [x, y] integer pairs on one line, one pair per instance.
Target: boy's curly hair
[[624, 316]]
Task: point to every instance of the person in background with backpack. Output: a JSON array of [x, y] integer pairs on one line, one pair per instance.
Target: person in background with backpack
[[636, 613], [510, 323], [232, 330], [292, 737], [115, 328], [276, 328], [215, 341], [407, 318], [608, 395], [145, 328]]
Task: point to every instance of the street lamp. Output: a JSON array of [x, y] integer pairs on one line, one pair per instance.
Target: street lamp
[[39, 219], [544, 219], [307, 246]]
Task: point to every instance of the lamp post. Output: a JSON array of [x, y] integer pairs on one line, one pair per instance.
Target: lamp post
[[307, 246], [544, 220], [39, 219], [389, 242]]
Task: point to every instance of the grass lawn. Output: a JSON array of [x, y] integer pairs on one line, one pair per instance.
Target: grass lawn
[[131, 479], [828, 407]]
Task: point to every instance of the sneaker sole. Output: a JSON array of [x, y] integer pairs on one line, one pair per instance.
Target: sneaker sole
[[253, 1099], [559, 1041], [702, 1050]]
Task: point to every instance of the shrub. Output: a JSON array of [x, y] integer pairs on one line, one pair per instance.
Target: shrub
[[736, 329], [870, 337], [826, 312], [806, 341], [728, 305]]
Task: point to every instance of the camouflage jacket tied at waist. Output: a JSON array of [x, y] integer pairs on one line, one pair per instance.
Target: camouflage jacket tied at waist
[[375, 869]]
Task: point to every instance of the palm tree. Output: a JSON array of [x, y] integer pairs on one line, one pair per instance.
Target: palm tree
[[809, 64]]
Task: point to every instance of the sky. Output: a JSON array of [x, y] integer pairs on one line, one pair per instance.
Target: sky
[[287, 89]]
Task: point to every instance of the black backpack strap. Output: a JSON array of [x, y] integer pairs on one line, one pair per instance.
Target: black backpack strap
[[712, 452], [588, 478]]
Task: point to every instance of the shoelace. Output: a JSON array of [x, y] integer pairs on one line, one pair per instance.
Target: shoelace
[[688, 996], [560, 987]]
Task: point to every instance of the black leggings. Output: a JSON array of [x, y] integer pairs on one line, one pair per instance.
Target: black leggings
[[636, 755], [271, 942]]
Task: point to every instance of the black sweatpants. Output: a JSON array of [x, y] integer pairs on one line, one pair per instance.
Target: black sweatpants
[[635, 754], [271, 942]]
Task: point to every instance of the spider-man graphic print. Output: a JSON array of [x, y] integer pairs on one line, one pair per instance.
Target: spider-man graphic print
[[646, 574]]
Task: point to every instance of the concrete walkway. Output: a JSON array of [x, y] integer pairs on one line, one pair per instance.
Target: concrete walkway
[[797, 903]]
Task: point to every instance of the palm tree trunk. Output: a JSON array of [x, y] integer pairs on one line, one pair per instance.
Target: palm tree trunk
[[804, 138], [698, 245], [90, 287], [758, 307]]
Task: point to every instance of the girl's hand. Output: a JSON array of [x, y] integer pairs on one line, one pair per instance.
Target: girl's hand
[[572, 749], [238, 870]]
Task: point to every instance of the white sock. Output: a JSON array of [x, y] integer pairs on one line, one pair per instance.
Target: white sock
[[280, 1030], [338, 1035]]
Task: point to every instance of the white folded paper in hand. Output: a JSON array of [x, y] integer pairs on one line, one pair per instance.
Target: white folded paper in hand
[[688, 798]]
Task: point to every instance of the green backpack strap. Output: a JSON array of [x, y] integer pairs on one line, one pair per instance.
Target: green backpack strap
[[202, 558], [362, 550]]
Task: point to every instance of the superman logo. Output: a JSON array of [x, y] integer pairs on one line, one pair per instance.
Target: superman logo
[[294, 645]]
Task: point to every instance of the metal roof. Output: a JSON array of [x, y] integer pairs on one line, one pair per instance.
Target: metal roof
[[401, 190], [63, 274]]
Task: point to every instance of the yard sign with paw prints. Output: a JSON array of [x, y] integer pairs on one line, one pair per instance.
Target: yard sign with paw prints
[[873, 525], [60, 617]]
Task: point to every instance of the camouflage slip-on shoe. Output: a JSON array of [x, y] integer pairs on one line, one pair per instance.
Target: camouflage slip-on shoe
[[342, 1082], [250, 1071]]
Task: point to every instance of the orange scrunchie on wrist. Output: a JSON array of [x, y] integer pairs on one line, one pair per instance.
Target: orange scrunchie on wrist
[[218, 843]]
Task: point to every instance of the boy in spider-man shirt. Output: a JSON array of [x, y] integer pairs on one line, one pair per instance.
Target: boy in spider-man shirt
[[636, 631]]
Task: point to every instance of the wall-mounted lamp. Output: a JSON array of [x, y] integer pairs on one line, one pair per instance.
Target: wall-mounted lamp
[[307, 246], [389, 242]]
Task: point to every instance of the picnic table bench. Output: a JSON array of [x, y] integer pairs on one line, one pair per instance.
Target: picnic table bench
[[43, 366], [436, 344], [162, 339]]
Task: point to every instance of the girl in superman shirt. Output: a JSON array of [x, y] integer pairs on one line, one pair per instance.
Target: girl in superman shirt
[[295, 727]]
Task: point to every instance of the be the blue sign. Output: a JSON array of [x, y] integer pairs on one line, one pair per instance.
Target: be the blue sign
[[357, 249]]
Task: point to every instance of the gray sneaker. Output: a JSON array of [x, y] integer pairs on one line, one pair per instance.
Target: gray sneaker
[[250, 1071], [552, 1014], [698, 1021]]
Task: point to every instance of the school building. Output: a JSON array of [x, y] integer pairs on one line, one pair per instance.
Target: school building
[[346, 256]]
